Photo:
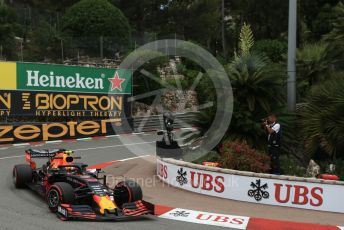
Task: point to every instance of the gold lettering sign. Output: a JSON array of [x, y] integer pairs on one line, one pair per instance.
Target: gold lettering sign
[[46, 101], [5, 100], [45, 132], [4, 130], [47, 135], [91, 126], [27, 132]]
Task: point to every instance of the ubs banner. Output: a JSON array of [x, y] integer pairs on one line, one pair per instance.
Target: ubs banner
[[286, 193]]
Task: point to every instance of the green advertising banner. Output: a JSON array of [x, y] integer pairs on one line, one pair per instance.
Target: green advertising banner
[[61, 78]]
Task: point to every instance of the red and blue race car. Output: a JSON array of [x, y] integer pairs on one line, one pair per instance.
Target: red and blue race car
[[75, 193]]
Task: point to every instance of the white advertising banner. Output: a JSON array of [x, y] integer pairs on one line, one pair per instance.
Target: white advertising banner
[[228, 221], [315, 196]]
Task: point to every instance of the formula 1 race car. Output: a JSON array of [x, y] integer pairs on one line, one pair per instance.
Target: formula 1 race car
[[75, 193]]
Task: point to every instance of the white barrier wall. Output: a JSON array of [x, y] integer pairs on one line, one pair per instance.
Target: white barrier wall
[[262, 190]]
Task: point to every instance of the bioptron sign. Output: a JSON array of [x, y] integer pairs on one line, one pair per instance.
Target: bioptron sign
[[62, 91], [61, 104]]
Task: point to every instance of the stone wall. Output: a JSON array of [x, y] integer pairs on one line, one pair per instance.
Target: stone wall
[[177, 101]]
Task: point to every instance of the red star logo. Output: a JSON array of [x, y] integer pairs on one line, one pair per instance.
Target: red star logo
[[116, 82]]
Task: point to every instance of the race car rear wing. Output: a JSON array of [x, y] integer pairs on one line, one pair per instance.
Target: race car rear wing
[[45, 153]]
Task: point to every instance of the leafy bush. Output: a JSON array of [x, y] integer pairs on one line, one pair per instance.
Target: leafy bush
[[95, 18], [8, 27], [336, 36], [273, 49], [44, 44], [314, 65], [212, 156], [291, 166], [322, 119], [256, 84], [239, 155]]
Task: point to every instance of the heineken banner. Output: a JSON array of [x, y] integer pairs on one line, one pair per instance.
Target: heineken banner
[[61, 78], [62, 130], [63, 104]]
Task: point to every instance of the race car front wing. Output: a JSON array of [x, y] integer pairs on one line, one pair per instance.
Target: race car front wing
[[85, 212]]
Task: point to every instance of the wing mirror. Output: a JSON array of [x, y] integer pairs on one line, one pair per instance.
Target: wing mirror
[[69, 159]]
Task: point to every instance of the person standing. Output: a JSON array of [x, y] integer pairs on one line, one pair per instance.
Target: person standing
[[273, 130]]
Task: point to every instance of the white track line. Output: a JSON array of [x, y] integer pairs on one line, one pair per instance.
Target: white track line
[[190, 128], [112, 146], [21, 144], [4, 158], [102, 147], [133, 158], [50, 142], [121, 160], [112, 136], [84, 139], [78, 139]]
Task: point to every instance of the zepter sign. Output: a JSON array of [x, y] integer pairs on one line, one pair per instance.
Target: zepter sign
[[52, 131], [45, 90]]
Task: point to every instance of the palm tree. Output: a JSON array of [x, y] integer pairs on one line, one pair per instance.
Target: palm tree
[[322, 118], [202, 123], [257, 85], [314, 65], [335, 38], [254, 79], [337, 34], [257, 82]]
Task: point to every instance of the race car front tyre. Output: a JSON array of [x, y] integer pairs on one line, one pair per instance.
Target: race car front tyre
[[22, 174], [59, 193], [126, 192]]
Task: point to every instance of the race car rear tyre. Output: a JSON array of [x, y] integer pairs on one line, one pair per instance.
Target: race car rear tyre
[[22, 174], [59, 193], [126, 192]]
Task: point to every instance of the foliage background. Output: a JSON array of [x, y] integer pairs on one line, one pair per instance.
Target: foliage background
[[249, 37]]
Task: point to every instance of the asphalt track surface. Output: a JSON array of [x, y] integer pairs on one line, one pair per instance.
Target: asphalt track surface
[[160, 193], [24, 210]]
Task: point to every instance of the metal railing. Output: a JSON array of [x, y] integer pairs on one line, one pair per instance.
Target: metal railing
[[155, 122]]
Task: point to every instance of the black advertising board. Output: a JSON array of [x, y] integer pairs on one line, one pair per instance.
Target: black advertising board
[[63, 104], [62, 130], [87, 101]]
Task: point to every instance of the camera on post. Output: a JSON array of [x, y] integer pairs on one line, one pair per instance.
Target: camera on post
[[168, 128], [168, 121], [168, 147]]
